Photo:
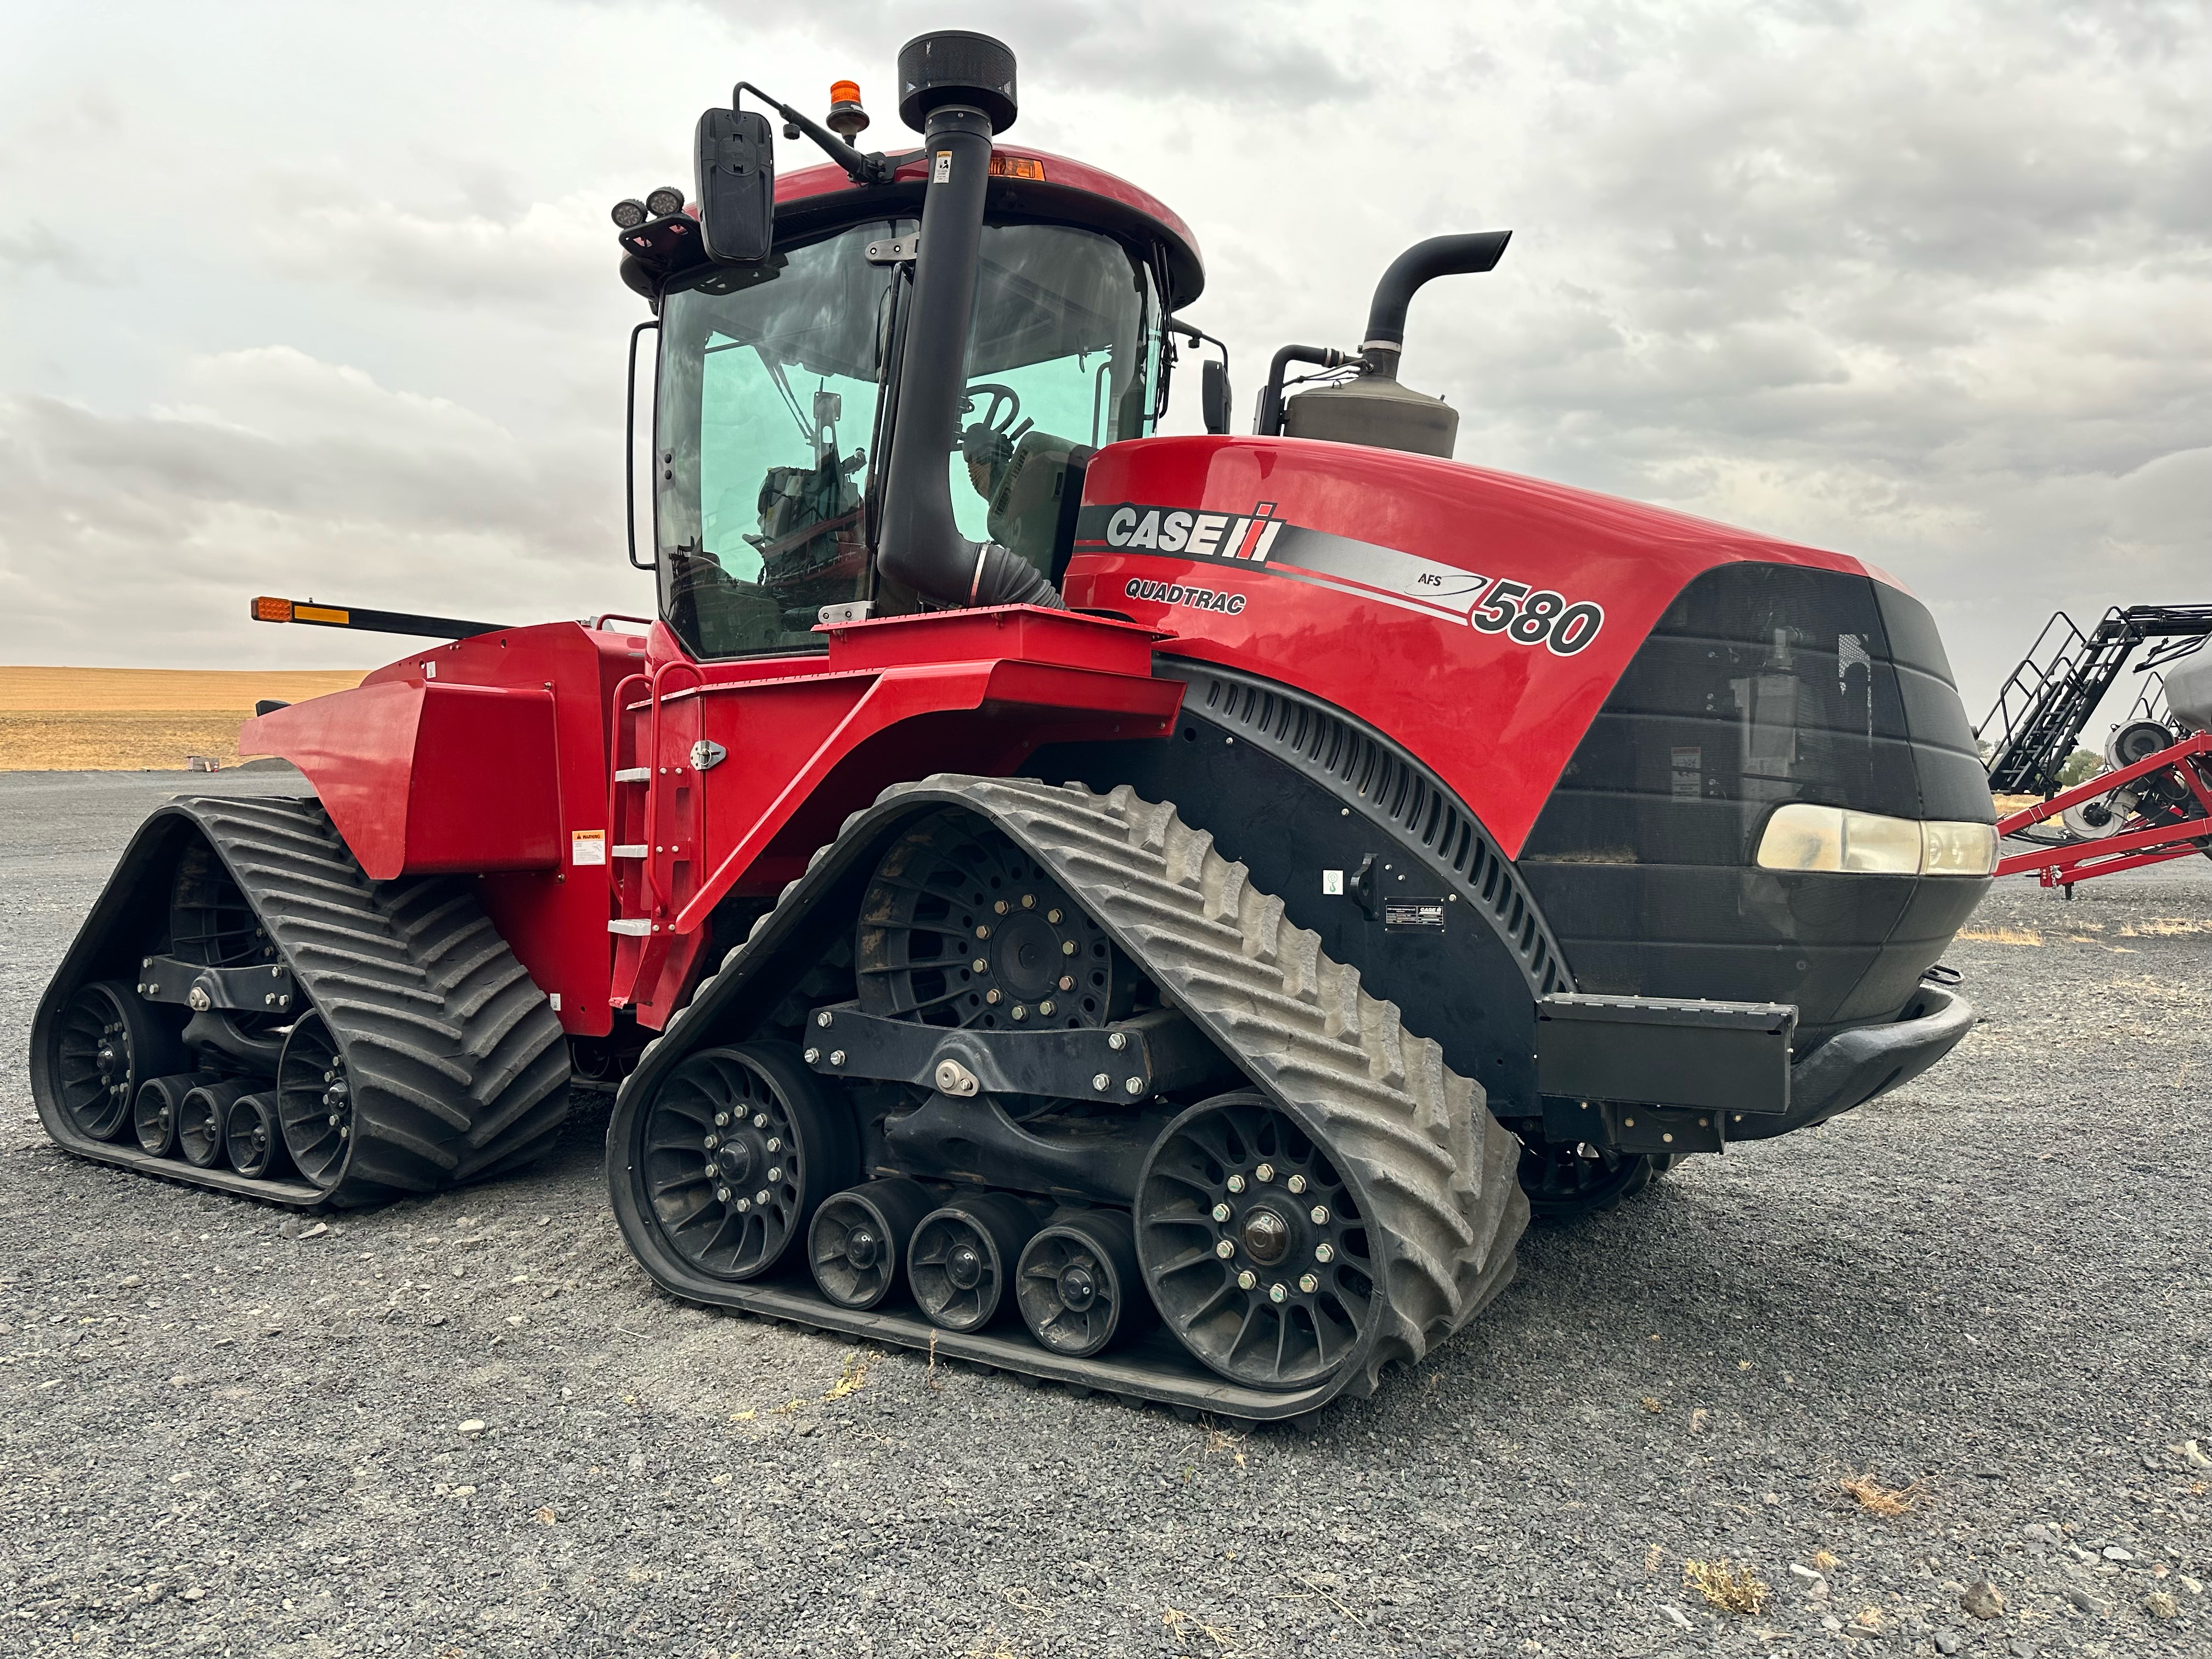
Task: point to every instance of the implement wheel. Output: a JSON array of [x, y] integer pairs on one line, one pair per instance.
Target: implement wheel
[[1565, 1182], [1079, 1287]]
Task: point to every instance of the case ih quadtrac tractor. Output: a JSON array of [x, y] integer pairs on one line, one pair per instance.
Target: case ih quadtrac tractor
[[1149, 912]]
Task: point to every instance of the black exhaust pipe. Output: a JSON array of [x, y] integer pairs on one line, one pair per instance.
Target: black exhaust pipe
[[1440, 255], [957, 89]]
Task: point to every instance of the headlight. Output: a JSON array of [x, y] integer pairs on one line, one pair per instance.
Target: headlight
[[1803, 836]]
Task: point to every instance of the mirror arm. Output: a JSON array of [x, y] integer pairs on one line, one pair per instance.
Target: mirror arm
[[874, 168]]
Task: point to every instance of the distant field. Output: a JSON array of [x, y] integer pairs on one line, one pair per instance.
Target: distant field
[[128, 719]]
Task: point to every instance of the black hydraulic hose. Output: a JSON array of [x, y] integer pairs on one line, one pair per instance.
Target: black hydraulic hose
[[1439, 256], [920, 543]]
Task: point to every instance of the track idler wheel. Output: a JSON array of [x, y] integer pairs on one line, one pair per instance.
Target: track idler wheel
[[741, 1144], [202, 1117], [254, 1138], [1254, 1246], [108, 1043], [1079, 1287], [153, 1114], [963, 1256], [1564, 1182], [314, 1102], [858, 1244]]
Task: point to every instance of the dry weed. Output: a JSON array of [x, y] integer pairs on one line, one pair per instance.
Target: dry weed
[[1727, 1586], [853, 1377], [1178, 1623], [1877, 1498]]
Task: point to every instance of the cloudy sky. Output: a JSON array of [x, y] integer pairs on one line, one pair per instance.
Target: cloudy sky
[[303, 298]]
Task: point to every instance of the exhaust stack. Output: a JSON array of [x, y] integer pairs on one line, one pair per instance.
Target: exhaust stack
[[957, 90]]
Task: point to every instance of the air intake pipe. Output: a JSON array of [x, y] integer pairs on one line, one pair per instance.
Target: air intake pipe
[[958, 89], [1439, 256]]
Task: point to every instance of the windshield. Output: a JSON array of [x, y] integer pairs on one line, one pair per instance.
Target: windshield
[[769, 420]]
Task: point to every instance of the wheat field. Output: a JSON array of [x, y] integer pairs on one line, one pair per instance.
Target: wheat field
[[129, 720]]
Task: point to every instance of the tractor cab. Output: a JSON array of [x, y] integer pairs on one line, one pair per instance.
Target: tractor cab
[[777, 394]]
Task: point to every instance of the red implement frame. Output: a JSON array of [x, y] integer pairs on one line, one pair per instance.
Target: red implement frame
[[2062, 866]]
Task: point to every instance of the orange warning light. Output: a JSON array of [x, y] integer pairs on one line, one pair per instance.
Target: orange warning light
[[275, 610], [1016, 166], [844, 91]]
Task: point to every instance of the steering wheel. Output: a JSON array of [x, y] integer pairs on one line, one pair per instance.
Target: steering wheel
[[1002, 396]]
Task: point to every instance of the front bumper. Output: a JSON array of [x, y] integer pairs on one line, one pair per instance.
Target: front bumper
[[1852, 1067]]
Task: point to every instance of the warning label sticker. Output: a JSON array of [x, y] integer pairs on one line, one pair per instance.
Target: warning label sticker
[[587, 847], [942, 172]]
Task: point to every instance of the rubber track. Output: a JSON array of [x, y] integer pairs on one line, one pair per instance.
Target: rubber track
[[1440, 1173], [458, 1064]]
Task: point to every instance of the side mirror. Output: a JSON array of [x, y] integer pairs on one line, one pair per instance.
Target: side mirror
[[736, 185], [1213, 395]]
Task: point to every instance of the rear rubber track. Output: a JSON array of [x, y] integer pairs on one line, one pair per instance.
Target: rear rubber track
[[458, 1064], [1440, 1172]]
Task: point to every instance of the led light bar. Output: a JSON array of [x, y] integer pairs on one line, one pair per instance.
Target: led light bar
[[1803, 836]]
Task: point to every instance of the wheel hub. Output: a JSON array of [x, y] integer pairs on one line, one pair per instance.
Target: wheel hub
[[1265, 1235], [964, 1266], [1078, 1288], [862, 1247]]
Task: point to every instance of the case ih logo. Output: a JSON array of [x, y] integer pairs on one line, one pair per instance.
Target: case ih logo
[[1521, 613], [1194, 535]]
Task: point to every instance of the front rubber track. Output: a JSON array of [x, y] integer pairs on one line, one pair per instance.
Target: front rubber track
[[1448, 1203], [459, 1066]]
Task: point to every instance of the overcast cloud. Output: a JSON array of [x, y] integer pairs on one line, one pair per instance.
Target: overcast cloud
[[306, 299]]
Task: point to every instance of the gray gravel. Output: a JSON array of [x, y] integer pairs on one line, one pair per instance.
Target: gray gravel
[[469, 1426]]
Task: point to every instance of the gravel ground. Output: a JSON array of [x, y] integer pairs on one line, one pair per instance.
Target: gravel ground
[[470, 1427]]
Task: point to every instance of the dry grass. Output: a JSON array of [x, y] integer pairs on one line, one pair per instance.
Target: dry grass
[[853, 1378], [1878, 1499], [123, 720], [1725, 1585]]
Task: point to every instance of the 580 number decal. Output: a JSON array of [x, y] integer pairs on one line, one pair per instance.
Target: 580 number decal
[[1542, 617]]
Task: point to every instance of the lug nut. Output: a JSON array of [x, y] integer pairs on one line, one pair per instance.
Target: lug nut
[[760, 1119], [1320, 1214], [1067, 947], [992, 996], [1236, 1183], [1308, 1283], [1265, 1172], [1052, 916], [981, 966], [1296, 1184], [722, 1192], [822, 1019], [1247, 1280], [713, 1141], [1028, 901], [775, 1173], [1221, 1212], [761, 1197], [1102, 1081], [813, 1055], [775, 1143], [721, 1119], [1324, 1253], [744, 1207], [999, 907], [1067, 981], [983, 932], [1225, 1249], [1277, 1293], [1045, 1008], [1020, 1012]]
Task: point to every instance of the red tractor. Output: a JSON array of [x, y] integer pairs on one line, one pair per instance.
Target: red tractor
[[1153, 913]]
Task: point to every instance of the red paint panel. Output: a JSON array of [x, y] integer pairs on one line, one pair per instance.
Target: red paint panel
[[1497, 720]]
